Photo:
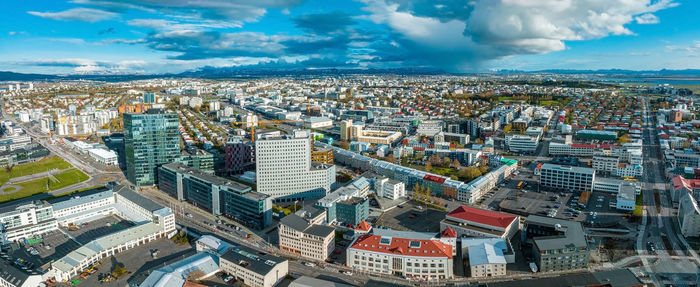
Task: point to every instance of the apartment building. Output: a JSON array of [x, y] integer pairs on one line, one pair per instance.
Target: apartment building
[[557, 244], [568, 178], [419, 256], [253, 268], [285, 172], [304, 234], [240, 155], [217, 195]]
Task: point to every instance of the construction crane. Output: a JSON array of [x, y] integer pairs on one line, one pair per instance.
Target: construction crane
[[254, 123]]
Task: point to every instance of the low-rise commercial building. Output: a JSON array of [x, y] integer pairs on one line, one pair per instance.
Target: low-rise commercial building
[[626, 197], [522, 143], [106, 157], [568, 178], [253, 268], [353, 210], [474, 222], [304, 234], [487, 257], [557, 245]]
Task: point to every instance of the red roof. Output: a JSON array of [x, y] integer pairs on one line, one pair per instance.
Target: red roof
[[428, 248], [364, 226], [583, 146], [434, 178], [448, 232], [689, 184], [482, 216]]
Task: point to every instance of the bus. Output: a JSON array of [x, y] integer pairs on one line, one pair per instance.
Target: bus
[[520, 185]]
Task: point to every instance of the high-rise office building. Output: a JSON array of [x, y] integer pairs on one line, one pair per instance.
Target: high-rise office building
[[284, 169], [150, 140], [149, 98]]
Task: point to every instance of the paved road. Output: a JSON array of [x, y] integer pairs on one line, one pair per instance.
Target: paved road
[[658, 222], [98, 174]]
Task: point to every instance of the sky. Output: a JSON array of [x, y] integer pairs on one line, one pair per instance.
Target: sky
[[172, 36]]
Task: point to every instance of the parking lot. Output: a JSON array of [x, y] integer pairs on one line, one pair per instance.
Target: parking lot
[[410, 217], [139, 262], [98, 228], [47, 248]]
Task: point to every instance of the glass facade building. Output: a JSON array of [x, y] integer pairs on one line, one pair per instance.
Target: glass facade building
[[150, 140], [216, 195]]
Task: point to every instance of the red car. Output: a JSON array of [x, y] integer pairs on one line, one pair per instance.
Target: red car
[[411, 216]]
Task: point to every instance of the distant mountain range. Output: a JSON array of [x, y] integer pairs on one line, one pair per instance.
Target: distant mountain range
[[650, 73], [249, 71]]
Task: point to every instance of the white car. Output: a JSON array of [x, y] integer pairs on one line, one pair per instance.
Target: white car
[[309, 264], [189, 215], [346, 273]]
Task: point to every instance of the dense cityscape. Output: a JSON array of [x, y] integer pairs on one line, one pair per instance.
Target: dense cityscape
[[312, 143], [352, 180]]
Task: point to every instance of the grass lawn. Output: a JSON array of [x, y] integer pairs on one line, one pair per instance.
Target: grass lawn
[[67, 178], [638, 206], [444, 171], [36, 186], [500, 99], [48, 163], [29, 188]]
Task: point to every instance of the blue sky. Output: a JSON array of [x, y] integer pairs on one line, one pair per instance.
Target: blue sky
[[171, 36]]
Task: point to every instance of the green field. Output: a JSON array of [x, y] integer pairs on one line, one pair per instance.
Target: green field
[[37, 186], [46, 164], [67, 178], [638, 206]]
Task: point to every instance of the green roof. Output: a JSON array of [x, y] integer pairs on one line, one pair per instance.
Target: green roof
[[509, 161]]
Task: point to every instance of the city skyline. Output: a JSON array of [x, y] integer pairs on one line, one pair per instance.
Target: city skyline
[[157, 37]]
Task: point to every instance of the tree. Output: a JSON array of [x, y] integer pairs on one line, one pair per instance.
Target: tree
[[404, 160], [622, 139], [344, 144], [428, 167], [507, 128], [456, 164], [469, 173], [483, 169], [118, 270], [391, 158], [446, 162], [478, 141], [435, 160]]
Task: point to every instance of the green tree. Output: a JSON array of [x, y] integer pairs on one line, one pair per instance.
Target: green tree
[[483, 169], [404, 160], [622, 139]]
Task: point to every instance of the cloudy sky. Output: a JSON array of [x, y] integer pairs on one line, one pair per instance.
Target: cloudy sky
[[171, 36]]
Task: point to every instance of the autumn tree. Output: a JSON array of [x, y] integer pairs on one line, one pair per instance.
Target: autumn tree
[[446, 162], [428, 167], [456, 164], [469, 173], [391, 158]]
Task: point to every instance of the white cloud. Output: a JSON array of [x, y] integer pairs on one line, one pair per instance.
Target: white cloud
[[76, 14], [183, 23], [488, 29], [647, 19]]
